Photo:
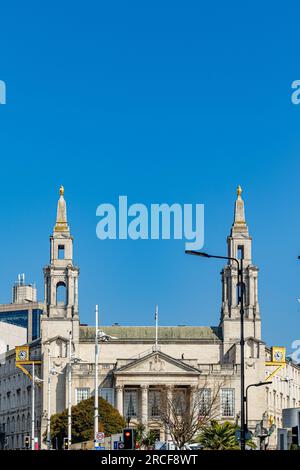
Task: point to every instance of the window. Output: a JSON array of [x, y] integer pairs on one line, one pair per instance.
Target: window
[[204, 401], [82, 394], [130, 403], [240, 252], [61, 294], [106, 366], [61, 251], [227, 402], [154, 403], [107, 394], [180, 400]]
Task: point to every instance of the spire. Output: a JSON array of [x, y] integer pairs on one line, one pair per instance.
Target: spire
[[239, 222], [61, 218]]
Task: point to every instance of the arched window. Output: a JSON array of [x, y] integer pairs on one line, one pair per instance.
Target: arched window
[[61, 293]]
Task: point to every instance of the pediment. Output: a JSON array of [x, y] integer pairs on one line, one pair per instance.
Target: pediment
[[56, 339], [157, 363]]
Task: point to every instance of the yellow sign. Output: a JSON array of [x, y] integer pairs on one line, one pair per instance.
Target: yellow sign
[[278, 354], [22, 353]]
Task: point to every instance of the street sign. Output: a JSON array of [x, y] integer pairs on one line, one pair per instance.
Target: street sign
[[248, 435], [120, 445], [100, 437], [99, 448]]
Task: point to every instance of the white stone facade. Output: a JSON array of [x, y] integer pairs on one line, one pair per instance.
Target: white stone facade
[[131, 370]]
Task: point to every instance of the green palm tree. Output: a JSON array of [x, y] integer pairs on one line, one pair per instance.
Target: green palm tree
[[149, 440], [220, 436]]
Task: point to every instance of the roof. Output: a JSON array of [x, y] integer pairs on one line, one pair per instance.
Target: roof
[[167, 333]]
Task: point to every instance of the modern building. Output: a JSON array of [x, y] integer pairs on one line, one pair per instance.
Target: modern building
[[24, 311], [133, 370], [289, 434], [23, 293]]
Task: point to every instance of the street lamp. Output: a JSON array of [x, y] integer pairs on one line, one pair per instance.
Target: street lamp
[[51, 371], [242, 339], [33, 409], [259, 384], [72, 361], [100, 336]]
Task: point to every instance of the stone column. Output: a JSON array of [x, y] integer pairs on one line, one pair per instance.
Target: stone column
[[145, 389], [169, 389], [76, 294], [120, 389]]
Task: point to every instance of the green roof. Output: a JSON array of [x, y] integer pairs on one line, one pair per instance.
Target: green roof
[[168, 333]]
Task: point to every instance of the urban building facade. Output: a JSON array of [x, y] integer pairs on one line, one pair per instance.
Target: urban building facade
[[11, 336], [133, 369], [24, 311]]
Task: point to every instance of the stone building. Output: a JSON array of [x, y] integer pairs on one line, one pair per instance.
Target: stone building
[[132, 369]]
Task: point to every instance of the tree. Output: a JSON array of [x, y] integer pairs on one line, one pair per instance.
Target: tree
[[149, 439], [139, 433], [221, 436], [145, 439], [184, 414], [110, 422]]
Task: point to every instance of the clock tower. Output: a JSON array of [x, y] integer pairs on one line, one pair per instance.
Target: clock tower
[[61, 281], [60, 321], [239, 246]]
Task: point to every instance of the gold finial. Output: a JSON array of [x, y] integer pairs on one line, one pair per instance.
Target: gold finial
[[61, 190], [239, 190]]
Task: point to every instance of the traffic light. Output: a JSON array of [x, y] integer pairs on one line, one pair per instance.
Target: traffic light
[[66, 443], [27, 442], [128, 439], [295, 437]]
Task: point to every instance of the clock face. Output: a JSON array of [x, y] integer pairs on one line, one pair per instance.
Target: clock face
[[278, 356], [22, 355]]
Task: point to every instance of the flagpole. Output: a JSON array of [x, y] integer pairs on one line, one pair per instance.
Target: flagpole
[[33, 409], [156, 327], [96, 404]]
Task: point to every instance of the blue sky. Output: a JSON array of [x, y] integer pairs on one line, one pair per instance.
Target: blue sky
[[163, 102]]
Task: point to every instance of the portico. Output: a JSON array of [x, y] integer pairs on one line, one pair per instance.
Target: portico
[[140, 383]]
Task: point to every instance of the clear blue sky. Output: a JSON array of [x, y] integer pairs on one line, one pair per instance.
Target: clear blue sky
[[164, 101]]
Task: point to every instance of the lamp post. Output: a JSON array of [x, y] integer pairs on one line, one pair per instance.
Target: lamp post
[[72, 362], [100, 336], [51, 371], [49, 404], [33, 409], [242, 339], [70, 392], [259, 384]]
